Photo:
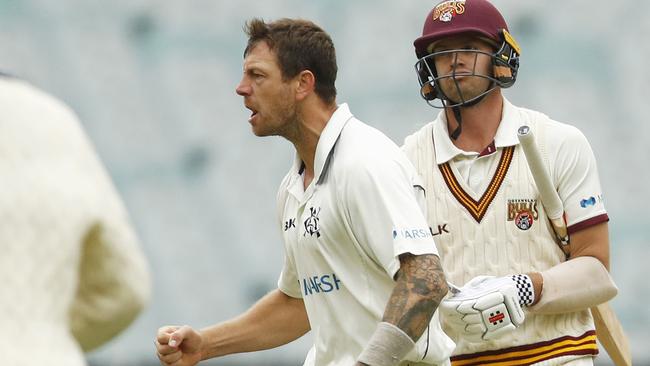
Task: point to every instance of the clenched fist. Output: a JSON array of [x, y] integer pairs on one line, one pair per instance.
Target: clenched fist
[[178, 346]]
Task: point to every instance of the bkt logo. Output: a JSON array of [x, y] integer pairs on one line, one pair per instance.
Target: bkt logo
[[289, 224], [317, 284], [412, 233]]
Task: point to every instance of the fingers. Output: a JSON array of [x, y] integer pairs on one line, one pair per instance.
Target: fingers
[[164, 332], [178, 346], [164, 349], [174, 335], [179, 335], [170, 358]]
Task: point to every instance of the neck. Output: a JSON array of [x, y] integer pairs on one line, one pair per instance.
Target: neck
[[312, 117], [479, 122]]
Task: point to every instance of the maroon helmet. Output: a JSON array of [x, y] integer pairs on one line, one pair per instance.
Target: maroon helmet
[[455, 17]]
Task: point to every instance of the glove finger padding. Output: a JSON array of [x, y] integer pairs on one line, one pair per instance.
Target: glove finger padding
[[483, 309]]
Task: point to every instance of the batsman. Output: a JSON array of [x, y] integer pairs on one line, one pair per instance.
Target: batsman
[[523, 296]]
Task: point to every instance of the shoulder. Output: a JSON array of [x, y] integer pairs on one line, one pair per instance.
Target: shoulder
[[20, 97], [364, 147], [560, 137], [30, 111], [425, 130], [412, 141], [364, 155], [555, 134]]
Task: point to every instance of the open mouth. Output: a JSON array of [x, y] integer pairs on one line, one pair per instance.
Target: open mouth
[[253, 113]]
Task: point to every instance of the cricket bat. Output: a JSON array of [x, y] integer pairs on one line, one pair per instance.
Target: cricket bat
[[608, 328]]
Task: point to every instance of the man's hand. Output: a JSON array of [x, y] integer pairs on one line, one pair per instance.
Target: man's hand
[[178, 346], [485, 308]]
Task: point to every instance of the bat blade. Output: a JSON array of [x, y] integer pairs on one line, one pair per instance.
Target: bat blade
[[611, 335]]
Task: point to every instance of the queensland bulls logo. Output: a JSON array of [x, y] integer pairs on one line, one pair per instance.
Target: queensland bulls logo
[[445, 11], [523, 212]]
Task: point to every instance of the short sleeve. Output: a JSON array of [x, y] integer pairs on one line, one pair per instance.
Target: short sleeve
[[385, 215], [576, 175], [288, 281]]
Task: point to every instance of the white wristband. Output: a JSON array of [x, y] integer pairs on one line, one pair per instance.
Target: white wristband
[[525, 289], [387, 346]]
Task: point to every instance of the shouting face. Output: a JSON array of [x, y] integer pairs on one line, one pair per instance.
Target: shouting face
[[269, 97]]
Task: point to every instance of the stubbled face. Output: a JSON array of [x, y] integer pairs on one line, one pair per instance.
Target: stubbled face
[[457, 71], [270, 99]]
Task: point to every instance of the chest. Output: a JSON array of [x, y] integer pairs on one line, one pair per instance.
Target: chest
[[502, 228], [316, 229]]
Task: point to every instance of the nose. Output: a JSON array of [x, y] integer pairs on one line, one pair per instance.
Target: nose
[[453, 61], [244, 88], [458, 59]]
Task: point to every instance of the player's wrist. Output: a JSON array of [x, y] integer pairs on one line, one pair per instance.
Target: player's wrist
[[387, 346]]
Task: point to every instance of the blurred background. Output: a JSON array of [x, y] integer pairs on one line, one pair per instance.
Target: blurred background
[[153, 83]]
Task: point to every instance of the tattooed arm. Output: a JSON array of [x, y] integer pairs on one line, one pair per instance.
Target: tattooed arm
[[419, 288]]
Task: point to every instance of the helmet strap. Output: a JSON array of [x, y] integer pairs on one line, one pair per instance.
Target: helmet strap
[[459, 119]]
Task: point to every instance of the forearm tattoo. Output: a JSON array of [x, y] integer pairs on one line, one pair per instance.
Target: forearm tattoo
[[419, 288]]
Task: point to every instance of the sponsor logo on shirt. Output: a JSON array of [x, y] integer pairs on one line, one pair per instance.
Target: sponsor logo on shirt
[[442, 229], [416, 233], [523, 212], [290, 224], [311, 224], [590, 201], [320, 284]]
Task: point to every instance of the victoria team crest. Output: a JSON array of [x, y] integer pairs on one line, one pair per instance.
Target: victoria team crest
[[523, 212], [312, 226]]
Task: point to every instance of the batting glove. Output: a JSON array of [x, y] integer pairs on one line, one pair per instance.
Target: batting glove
[[487, 306]]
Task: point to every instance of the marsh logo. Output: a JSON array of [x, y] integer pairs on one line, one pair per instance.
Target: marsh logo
[[320, 284], [523, 212], [312, 226], [416, 233]]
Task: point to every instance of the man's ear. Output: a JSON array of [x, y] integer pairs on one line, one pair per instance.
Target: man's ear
[[306, 84]]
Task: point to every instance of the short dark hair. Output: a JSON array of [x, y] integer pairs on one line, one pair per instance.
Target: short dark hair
[[299, 45]]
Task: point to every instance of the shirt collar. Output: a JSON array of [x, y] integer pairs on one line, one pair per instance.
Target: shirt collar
[[327, 140], [506, 134]]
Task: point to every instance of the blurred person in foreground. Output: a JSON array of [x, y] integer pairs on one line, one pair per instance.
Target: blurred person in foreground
[[526, 295], [73, 275], [361, 269]]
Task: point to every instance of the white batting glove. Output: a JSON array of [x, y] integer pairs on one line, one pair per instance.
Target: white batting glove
[[487, 306]]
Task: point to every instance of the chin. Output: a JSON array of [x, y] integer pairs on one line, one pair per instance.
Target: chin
[[259, 133]]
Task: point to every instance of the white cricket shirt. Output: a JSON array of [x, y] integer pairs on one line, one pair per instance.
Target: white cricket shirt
[[343, 236], [497, 225], [571, 163]]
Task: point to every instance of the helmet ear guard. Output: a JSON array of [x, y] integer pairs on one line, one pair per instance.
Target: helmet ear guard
[[427, 77], [506, 60]]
